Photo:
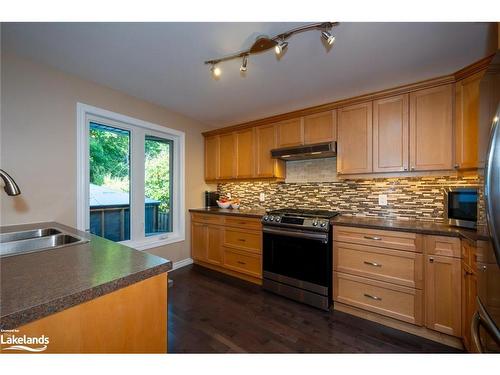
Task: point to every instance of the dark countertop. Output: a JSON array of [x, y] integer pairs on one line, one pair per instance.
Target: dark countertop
[[39, 284], [414, 226], [254, 213]]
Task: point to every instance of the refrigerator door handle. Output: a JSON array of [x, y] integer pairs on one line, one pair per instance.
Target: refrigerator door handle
[[481, 318], [476, 323]]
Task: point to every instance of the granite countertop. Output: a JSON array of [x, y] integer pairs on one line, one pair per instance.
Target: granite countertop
[[248, 212], [414, 226], [39, 284]]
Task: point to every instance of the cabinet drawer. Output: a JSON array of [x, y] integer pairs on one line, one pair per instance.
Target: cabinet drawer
[[381, 238], [383, 298], [207, 218], [243, 223], [394, 266], [243, 240], [243, 262], [442, 245]]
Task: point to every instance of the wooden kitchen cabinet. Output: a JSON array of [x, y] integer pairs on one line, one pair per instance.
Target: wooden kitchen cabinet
[[467, 130], [211, 157], [390, 134], [245, 154], [266, 139], [443, 294], [354, 133], [206, 242], [320, 127], [431, 129], [291, 132], [469, 294], [226, 157]]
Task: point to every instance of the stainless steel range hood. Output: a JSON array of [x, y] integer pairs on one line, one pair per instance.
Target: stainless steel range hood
[[314, 151]]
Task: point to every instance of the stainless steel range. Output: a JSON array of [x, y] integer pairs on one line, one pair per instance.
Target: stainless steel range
[[297, 255]]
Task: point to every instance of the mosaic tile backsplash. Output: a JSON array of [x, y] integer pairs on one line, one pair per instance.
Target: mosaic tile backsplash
[[408, 198]]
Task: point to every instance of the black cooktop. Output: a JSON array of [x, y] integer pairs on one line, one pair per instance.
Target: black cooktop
[[304, 213]]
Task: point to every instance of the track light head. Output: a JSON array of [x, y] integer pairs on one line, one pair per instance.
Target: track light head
[[216, 72], [280, 47], [244, 63], [329, 38]]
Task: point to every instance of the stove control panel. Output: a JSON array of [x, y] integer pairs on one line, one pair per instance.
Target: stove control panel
[[314, 223]]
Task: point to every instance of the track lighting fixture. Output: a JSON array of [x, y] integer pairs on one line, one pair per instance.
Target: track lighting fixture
[[280, 47], [216, 72], [278, 42], [329, 38], [243, 67]]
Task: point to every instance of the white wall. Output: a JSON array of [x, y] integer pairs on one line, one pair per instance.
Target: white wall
[[38, 143]]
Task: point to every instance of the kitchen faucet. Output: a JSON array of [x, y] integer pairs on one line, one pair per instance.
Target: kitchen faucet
[[10, 187]]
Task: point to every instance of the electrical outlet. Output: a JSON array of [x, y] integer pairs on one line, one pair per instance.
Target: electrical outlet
[[262, 197], [382, 200], [228, 195]]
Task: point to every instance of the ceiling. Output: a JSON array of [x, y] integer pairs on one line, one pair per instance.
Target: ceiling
[[163, 62]]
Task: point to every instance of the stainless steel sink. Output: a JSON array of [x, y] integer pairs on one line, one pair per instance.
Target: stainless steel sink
[[16, 243], [27, 234]]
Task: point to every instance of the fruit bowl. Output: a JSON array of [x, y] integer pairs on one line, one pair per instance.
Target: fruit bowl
[[235, 205], [224, 204]]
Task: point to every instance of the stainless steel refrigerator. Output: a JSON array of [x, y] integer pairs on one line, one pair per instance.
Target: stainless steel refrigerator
[[486, 323]]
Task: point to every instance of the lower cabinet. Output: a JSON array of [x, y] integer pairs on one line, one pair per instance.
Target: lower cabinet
[[422, 284], [228, 244], [443, 294]]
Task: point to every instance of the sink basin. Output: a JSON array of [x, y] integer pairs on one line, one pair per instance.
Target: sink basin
[[27, 234], [36, 240]]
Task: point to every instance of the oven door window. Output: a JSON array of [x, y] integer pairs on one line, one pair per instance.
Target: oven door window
[[298, 258]]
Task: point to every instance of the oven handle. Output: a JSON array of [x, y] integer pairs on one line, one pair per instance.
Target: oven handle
[[323, 237]]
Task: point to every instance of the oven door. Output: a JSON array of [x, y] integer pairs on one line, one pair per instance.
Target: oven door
[[297, 258]]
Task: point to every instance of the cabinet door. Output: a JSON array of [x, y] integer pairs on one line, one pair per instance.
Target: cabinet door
[[354, 133], [431, 129], [467, 122], [211, 157], [199, 241], [245, 160], [320, 127], [265, 141], [443, 294], [226, 158], [469, 293], [390, 134], [214, 244], [291, 133]]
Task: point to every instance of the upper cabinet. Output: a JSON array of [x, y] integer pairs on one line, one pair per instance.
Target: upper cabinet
[[320, 127], [354, 133], [431, 129], [265, 140], [390, 134], [227, 160], [291, 132], [468, 152], [211, 157], [245, 153]]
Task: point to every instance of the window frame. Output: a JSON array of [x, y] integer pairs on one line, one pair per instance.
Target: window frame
[[138, 131]]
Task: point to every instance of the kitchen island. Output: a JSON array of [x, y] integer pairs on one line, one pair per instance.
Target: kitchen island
[[92, 297]]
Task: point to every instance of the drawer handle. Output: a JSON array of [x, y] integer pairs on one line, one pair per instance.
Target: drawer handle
[[240, 262], [373, 238], [373, 297], [242, 239], [372, 264]]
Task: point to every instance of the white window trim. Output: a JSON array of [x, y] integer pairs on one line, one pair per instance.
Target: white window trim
[[83, 113]]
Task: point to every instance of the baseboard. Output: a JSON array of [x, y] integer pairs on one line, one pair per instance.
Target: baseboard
[[182, 263]]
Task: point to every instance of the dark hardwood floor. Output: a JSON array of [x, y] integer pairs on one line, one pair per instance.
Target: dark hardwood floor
[[213, 313]]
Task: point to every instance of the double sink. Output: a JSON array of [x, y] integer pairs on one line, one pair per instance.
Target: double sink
[[28, 241]]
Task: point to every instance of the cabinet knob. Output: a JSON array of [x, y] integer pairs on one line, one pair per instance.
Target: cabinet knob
[[431, 260], [405, 168], [412, 168], [456, 166]]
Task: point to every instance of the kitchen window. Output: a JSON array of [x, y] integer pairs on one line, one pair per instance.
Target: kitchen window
[[130, 179]]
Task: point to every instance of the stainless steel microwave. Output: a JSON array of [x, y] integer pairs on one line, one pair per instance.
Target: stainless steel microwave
[[460, 205]]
